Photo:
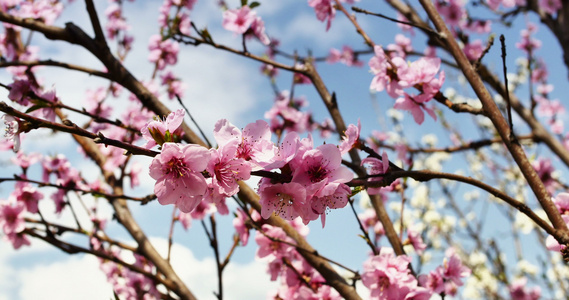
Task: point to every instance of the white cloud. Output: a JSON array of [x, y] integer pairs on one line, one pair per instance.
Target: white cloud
[[74, 277]]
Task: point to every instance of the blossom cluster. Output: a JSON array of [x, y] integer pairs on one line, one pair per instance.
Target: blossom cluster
[[245, 21], [394, 75], [389, 277], [303, 180]]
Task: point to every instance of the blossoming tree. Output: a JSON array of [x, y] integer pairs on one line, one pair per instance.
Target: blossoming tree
[[433, 221]]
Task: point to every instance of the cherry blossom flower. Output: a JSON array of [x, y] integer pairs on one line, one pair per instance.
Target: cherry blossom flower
[[321, 166], [254, 143], [17, 239], [286, 200], [258, 30], [388, 276], [26, 160], [351, 138], [333, 195], [174, 85], [473, 50], [453, 12], [376, 167], [369, 220], [19, 90], [528, 43], [27, 194], [177, 171], [346, 56], [401, 47], [453, 269], [162, 52], [273, 248], [116, 23], [520, 291], [415, 105], [416, 240], [12, 131], [226, 169], [325, 11], [383, 78], [550, 6], [240, 224], [11, 217], [185, 219], [158, 132], [238, 20]]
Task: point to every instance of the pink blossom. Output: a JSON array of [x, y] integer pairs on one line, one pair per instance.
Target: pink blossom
[[11, 217], [433, 281], [479, 26], [177, 171], [116, 21], [544, 170], [174, 85], [415, 105], [346, 56], [453, 12], [369, 220], [12, 131], [158, 132], [453, 269], [258, 30], [401, 47], [25, 161], [528, 43], [17, 239], [27, 194], [351, 138], [494, 4], [332, 196], [473, 50], [185, 25], [325, 11], [189, 4], [550, 6], [239, 20], [286, 200], [416, 240], [321, 166], [227, 169], [240, 224], [134, 174], [254, 143], [19, 90], [44, 10], [273, 248], [185, 219], [520, 291], [286, 114], [376, 166], [388, 276], [162, 52]]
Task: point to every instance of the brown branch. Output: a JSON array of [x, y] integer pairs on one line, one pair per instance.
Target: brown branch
[[70, 127], [99, 35], [310, 254], [54, 63], [500, 124], [426, 175]]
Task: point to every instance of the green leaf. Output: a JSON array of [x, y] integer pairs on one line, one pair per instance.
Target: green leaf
[[243, 2], [254, 4], [36, 107]]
